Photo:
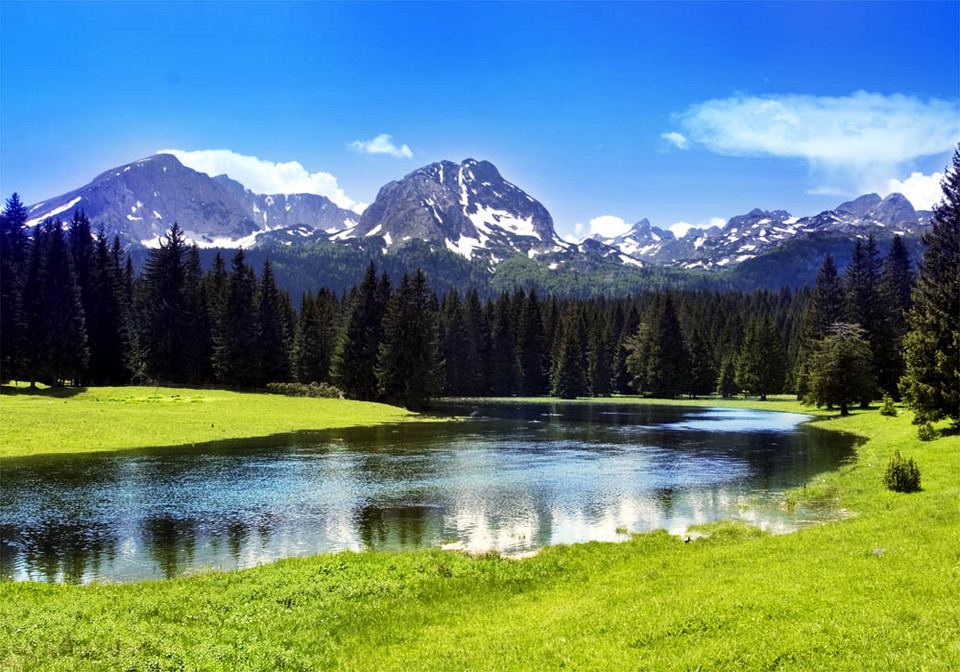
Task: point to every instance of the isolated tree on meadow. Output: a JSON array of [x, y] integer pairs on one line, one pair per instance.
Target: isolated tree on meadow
[[841, 369]]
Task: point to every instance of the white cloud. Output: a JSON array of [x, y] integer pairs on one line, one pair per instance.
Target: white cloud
[[923, 191], [265, 177], [678, 140], [382, 144], [608, 226], [849, 142], [716, 221]]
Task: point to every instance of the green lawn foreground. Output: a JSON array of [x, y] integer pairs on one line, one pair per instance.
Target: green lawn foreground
[[76, 420], [879, 590]]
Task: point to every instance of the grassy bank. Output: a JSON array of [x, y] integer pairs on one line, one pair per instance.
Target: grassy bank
[[875, 591], [72, 420]]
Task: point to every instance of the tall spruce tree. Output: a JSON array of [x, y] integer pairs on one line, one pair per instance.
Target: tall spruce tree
[[703, 369], [599, 361], [66, 353], [659, 361], [478, 345], [236, 345], [197, 342], [13, 271], [272, 351], [568, 378], [761, 365], [503, 357], [105, 323], [530, 347], [312, 347], [895, 287], [841, 369], [163, 310], [454, 345], [355, 358], [931, 382], [408, 360]]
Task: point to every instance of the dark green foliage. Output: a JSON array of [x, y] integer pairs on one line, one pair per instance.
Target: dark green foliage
[[841, 369], [236, 344], [901, 475], [703, 368], [531, 346], [162, 309], [107, 324], [13, 270], [896, 284], [407, 366], [727, 379], [272, 351], [65, 353], [761, 365], [887, 408], [827, 304], [503, 366], [313, 338], [659, 362], [355, 357], [568, 378], [316, 390], [927, 432], [931, 382]]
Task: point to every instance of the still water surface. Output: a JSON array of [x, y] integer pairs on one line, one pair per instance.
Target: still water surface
[[510, 478]]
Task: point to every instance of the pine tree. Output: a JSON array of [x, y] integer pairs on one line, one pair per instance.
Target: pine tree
[[931, 382], [105, 324], [66, 354], [727, 378], [13, 270], [531, 350], [660, 363], [568, 379], [355, 358], [197, 342], [454, 345], [312, 342], [478, 345], [408, 360], [503, 357], [236, 344], [895, 287], [761, 365], [163, 309], [841, 369], [828, 303], [703, 370], [599, 364], [271, 354]]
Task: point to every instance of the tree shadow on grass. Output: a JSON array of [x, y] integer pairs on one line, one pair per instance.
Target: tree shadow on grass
[[51, 392]]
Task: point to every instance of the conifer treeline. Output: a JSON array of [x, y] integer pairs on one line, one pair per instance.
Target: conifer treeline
[[75, 313]]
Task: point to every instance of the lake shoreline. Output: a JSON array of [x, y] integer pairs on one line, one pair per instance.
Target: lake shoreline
[[876, 590]]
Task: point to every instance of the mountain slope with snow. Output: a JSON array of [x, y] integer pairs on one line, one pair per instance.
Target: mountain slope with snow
[[142, 199]]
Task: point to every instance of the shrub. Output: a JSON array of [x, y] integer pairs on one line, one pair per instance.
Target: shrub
[[887, 407], [927, 432], [319, 390], [901, 475]]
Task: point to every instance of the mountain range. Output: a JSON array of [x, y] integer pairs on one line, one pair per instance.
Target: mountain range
[[467, 209]]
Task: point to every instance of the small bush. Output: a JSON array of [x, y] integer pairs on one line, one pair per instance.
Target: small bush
[[318, 390], [901, 475], [927, 432], [887, 407]]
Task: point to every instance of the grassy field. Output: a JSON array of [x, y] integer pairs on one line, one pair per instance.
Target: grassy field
[[879, 590], [72, 420]]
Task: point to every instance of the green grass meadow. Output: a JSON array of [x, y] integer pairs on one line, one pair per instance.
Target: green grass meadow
[[876, 590], [75, 420]]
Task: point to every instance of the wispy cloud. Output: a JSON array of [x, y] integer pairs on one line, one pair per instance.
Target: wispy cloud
[[266, 177], [382, 144], [853, 142], [678, 140]]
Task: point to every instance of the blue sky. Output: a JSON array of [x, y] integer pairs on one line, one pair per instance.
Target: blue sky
[[676, 112]]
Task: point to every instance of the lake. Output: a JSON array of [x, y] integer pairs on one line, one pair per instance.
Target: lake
[[510, 477]]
